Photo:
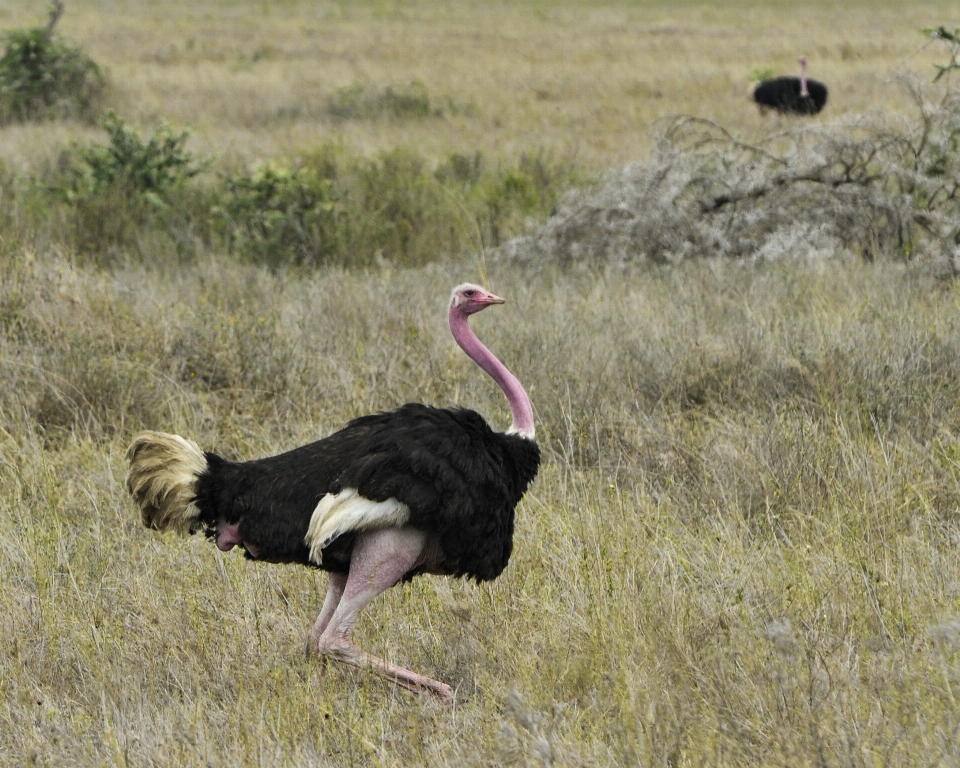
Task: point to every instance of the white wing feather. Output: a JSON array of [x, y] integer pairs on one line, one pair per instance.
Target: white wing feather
[[346, 511]]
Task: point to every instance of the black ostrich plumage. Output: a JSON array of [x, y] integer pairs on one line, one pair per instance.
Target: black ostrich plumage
[[460, 479], [783, 95]]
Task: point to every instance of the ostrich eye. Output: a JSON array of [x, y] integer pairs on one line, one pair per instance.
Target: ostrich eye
[[470, 293]]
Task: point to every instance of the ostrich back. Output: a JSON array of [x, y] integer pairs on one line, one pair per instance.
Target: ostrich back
[[783, 94], [459, 478]]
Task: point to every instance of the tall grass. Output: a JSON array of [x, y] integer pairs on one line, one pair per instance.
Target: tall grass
[[741, 549]]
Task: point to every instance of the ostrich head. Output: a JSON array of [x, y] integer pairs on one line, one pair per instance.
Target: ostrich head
[[470, 299]]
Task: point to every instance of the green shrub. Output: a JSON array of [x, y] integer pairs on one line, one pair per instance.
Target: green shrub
[[136, 198], [504, 199], [952, 42], [144, 168], [513, 194], [43, 77], [411, 100], [129, 194], [278, 215], [335, 210], [759, 74], [408, 217]]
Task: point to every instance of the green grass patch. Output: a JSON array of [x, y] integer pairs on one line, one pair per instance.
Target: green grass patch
[[330, 208], [145, 198], [364, 102]]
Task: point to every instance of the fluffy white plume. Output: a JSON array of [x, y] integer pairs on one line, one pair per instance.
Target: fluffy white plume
[[163, 479]]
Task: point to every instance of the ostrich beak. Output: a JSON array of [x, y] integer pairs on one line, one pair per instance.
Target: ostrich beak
[[494, 299]]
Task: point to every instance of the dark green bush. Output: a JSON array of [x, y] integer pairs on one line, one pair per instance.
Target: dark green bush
[[511, 195], [43, 77], [129, 196], [278, 215], [411, 100], [407, 216], [144, 168], [331, 209]]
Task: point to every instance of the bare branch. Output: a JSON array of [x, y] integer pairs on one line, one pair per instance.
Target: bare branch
[[56, 11]]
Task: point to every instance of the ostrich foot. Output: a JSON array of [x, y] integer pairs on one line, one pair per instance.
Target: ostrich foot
[[345, 651], [310, 653]]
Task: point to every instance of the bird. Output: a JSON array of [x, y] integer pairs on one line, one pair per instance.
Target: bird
[[416, 490], [792, 95]]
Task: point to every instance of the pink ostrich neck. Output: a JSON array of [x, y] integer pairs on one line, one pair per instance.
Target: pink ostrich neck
[[520, 406], [803, 79]]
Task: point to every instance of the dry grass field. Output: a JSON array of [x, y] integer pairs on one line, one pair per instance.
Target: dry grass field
[[581, 79], [744, 544]]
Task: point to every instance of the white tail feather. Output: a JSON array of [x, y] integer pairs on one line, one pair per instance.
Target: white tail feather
[[163, 480], [346, 511]]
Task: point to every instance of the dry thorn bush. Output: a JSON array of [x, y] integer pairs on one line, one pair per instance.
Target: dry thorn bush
[[869, 186]]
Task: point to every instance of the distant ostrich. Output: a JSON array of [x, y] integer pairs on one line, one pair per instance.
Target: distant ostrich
[[390, 496], [792, 95]]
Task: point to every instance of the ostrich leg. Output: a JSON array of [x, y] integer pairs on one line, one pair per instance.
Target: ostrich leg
[[335, 586], [379, 560]]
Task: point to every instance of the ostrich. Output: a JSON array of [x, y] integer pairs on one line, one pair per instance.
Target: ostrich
[[792, 95], [390, 496]]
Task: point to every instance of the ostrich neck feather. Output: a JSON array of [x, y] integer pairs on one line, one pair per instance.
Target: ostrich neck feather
[[520, 407]]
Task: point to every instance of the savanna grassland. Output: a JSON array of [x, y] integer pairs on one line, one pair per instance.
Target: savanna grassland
[[576, 79], [743, 547]]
